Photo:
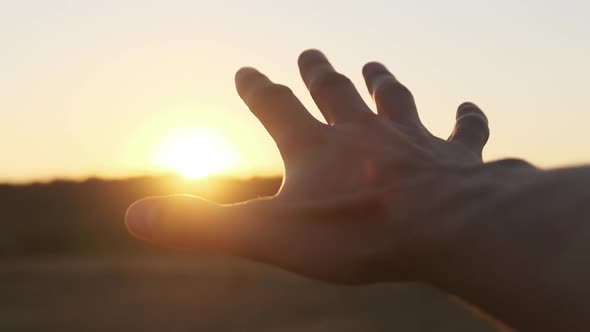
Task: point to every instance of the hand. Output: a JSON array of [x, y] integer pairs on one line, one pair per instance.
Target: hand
[[360, 194]]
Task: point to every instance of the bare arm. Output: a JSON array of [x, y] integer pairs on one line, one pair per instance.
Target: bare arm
[[520, 249], [376, 198]]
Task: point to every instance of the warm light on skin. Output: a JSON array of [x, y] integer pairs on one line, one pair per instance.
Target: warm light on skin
[[195, 154]]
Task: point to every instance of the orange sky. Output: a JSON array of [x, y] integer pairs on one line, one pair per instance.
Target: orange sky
[[94, 88]]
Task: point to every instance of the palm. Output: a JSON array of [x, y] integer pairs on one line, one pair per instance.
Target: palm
[[324, 169], [351, 186]]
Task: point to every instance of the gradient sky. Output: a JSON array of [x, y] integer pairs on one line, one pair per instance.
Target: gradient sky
[[92, 87]]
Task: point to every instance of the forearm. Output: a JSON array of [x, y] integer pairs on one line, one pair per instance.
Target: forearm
[[520, 247]]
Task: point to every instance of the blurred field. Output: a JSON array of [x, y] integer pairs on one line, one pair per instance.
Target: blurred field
[[67, 265]]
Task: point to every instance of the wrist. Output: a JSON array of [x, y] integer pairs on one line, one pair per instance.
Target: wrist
[[458, 200]]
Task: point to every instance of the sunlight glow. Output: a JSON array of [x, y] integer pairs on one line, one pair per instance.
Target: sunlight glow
[[195, 154]]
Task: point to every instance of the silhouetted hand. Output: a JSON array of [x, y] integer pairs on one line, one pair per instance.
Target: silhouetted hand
[[361, 195]]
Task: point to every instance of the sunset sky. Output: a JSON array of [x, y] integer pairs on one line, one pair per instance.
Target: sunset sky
[[94, 88]]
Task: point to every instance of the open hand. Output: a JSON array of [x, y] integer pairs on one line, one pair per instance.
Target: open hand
[[359, 195]]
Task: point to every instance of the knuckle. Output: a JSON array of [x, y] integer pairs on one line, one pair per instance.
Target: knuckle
[[327, 81], [294, 146], [366, 118], [475, 120], [391, 87], [473, 126], [270, 92], [513, 162]]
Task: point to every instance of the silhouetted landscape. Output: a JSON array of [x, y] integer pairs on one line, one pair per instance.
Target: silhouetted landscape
[[68, 264]]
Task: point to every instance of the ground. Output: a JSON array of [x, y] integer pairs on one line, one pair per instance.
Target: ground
[[191, 293]]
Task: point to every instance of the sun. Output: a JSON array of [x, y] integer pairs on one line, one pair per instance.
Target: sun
[[195, 154]]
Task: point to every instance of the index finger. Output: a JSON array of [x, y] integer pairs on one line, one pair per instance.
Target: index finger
[[278, 109]]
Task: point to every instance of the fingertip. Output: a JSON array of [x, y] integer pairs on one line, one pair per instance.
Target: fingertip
[[171, 220], [469, 108], [471, 129], [373, 68], [244, 72], [311, 56], [140, 218], [375, 74], [248, 79], [467, 104]]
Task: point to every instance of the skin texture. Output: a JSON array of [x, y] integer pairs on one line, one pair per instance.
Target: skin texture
[[376, 198], [341, 179]]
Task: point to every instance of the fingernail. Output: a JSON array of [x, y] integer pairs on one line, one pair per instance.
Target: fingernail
[[141, 218]]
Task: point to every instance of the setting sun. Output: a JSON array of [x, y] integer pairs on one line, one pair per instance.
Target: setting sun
[[195, 154]]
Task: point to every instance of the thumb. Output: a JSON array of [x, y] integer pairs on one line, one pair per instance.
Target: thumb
[[248, 229], [308, 239]]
